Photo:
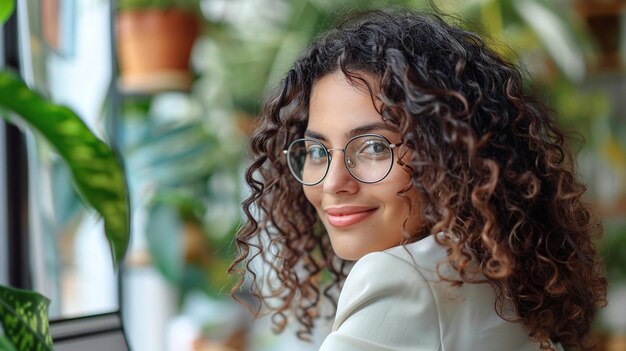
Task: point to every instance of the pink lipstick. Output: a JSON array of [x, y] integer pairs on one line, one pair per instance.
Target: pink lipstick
[[347, 215]]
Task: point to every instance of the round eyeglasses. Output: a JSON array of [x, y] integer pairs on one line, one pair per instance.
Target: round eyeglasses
[[367, 157]]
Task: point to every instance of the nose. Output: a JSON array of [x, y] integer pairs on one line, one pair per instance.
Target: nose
[[338, 179]]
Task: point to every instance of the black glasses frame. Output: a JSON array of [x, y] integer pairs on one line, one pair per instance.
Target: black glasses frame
[[329, 158]]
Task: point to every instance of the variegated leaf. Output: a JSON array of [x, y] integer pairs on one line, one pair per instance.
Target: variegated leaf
[[24, 318], [97, 173]]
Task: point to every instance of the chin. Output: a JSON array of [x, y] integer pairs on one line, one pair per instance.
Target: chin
[[349, 255], [349, 250]]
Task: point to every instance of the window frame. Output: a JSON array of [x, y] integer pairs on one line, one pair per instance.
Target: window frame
[[14, 234]]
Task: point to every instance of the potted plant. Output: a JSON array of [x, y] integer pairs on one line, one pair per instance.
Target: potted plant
[[154, 40]]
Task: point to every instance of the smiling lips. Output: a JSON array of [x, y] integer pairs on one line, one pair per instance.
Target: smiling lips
[[347, 215]]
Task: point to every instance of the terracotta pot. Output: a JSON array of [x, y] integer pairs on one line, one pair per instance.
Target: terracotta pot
[[154, 47]]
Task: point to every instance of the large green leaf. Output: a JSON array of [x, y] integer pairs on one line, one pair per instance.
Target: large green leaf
[[5, 344], [97, 172], [6, 9], [24, 318]]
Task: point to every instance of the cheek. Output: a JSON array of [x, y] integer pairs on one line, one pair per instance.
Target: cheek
[[312, 195], [398, 180]]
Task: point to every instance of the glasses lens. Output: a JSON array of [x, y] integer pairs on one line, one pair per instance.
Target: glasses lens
[[308, 161], [369, 158]]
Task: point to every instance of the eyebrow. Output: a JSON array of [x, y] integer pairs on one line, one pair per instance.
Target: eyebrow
[[365, 129]]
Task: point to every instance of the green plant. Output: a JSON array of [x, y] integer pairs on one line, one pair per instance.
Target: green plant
[[24, 320], [184, 172], [6, 8], [97, 174]]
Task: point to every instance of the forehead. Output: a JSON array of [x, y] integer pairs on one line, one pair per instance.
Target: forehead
[[338, 106]]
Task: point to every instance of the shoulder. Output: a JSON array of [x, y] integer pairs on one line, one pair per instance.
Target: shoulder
[[395, 300], [383, 270], [425, 255], [398, 282], [385, 303], [384, 275]]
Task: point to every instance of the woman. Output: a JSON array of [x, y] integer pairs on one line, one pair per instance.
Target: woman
[[405, 145]]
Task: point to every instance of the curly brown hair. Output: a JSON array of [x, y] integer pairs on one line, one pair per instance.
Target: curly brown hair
[[488, 159]]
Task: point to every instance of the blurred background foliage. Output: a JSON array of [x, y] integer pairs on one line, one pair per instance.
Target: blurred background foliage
[[184, 146]]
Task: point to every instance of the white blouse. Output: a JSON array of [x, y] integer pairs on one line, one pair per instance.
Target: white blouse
[[394, 300]]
